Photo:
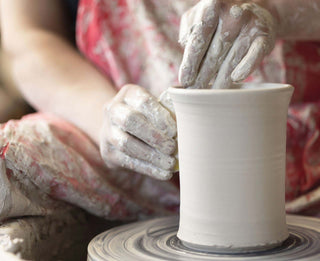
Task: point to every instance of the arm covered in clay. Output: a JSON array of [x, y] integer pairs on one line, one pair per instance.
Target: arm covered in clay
[[134, 131], [226, 40]]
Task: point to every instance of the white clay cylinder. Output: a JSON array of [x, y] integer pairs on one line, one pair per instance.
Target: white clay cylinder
[[232, 148]]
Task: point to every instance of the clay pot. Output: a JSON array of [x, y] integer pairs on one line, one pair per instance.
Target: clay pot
[[232, 148]]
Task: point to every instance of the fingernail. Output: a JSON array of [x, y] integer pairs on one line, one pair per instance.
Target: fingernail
[[238, 75]]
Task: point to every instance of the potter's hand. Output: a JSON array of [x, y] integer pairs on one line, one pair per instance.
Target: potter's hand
[[223, 39], [138, 134]]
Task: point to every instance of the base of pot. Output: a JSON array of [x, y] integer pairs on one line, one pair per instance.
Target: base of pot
[[156, 240], [229, 250]]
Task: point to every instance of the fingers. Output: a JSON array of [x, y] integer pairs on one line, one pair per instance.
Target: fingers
[[134, 148], [228, 29], [136, 124], [148, 105], [214, 58], [237, 44], [138, 134], [118, 158], [236, 53], [218, 50], [203, 28], [251, 60]]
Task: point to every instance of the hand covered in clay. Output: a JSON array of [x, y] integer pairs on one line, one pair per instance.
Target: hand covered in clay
[[138, 134], [224, 40]]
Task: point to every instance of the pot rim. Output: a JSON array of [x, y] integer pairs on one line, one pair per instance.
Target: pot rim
[[249, 88]]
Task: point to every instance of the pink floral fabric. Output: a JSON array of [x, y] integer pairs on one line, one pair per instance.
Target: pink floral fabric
[[135, 41]]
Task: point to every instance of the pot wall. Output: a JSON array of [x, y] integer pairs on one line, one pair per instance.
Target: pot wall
[[232, 146]]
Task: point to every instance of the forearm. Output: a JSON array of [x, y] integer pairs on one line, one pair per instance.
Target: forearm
[[295, 19], [54, 78]]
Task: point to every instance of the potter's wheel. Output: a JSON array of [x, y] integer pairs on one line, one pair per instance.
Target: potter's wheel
[[156, 240]]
